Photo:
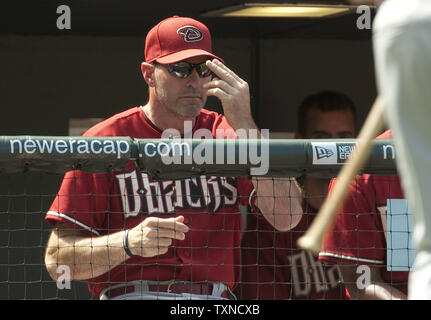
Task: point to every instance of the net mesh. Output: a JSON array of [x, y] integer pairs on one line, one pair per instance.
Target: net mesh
[[24, 201], [373, 231]]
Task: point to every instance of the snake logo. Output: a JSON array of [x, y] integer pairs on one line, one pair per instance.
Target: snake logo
[[190, 33]]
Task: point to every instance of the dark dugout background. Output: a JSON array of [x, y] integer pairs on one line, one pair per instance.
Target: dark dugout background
[[49, 76]]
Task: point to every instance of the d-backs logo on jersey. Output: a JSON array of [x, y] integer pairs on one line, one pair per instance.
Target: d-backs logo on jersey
[[142, 196], [312, 277]]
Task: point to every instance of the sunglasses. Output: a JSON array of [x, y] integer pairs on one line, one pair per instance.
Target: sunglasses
[[184, 69]]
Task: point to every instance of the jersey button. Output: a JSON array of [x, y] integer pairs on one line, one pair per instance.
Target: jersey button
[[187, 253]]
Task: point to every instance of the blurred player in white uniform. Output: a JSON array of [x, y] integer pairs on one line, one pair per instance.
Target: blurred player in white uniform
[[402, 51]]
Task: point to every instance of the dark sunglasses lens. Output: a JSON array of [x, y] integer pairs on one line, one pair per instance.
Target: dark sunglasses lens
[[180, 69], [184, 69], [203, 70]]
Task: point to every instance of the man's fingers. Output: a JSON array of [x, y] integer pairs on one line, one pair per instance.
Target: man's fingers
[[217, 83], [166, 233], [223, 72], [156, 243], [162, 242], [156, 251], [226, 70], [169, 223], [219, 93], [157, 234]]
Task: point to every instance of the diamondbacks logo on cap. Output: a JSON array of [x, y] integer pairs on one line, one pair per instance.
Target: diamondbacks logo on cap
[[323, 153], [190, 33]]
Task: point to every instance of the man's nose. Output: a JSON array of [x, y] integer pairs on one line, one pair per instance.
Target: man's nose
[[193, 79]]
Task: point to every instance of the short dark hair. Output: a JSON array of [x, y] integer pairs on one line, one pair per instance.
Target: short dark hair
[[324, 101]]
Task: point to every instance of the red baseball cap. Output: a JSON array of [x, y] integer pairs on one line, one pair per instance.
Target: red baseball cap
[[178, 38]]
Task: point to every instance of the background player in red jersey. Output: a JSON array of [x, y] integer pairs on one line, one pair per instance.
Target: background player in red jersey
[[273, 266], [358, 238], [134, 238]]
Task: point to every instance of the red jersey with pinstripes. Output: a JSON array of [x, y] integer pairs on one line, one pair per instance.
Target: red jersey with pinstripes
[[358, 235], [99, 204], [274, 268]]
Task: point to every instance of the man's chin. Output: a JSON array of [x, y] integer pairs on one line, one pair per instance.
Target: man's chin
[[190, 111]]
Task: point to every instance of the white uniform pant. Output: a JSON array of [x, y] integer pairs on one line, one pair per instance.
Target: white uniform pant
[[402, 51]]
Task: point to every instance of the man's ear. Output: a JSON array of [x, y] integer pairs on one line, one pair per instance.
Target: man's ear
[[147, 70]]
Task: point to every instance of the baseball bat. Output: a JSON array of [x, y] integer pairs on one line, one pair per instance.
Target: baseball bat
[[312, 239]]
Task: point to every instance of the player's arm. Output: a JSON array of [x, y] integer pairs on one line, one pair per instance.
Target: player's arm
[[91, 256], [86, 257], [280, 199], [374, 288]]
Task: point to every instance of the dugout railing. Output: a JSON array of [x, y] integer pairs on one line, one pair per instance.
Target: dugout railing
[[32, 167]]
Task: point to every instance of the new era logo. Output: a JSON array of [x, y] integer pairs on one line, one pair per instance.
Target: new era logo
[[323, 152], [190, 33]]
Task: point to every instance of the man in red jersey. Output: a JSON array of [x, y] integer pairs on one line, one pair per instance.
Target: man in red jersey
[[274, 268], [131, 237], [358, 239]]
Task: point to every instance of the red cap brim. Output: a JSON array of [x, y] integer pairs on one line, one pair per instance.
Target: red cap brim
[[185, 54]]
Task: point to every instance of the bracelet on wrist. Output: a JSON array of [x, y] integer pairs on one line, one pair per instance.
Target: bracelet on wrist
[[126, 243]]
